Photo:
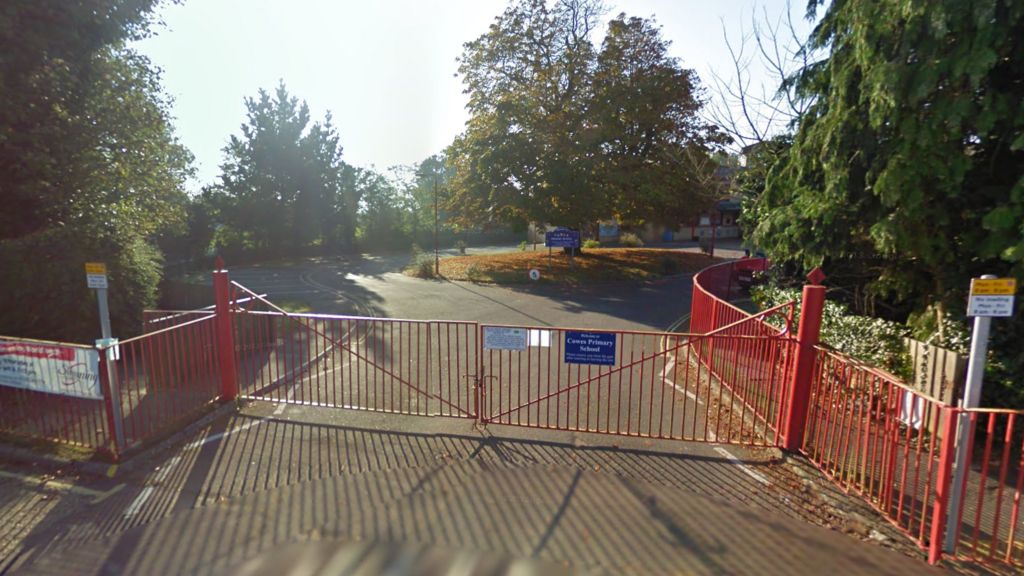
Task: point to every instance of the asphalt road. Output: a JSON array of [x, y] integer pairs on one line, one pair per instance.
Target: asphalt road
[[375, 286], [429, 369]]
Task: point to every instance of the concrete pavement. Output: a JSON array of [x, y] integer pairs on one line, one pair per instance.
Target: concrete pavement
[[271, 477]]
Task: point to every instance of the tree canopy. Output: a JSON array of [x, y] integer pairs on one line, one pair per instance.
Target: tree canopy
[[89, 166], [561, 131], [908, 165], [283, 184]]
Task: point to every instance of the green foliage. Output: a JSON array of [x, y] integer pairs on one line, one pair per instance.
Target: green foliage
[[561, 131], [522, 246], [909, 162], [283, 184], [49, 300], [630, 240], [89, 167], [906, 174], [422, 266], [591, 243], [474, 273], [873, 340], [956, 335]]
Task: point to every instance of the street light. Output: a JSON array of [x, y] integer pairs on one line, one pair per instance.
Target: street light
[[437, 261]]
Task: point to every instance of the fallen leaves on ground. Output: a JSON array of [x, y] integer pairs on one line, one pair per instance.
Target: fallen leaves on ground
[[593, 265]]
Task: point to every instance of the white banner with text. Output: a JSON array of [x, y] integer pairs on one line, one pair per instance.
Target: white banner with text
[[50, 367]]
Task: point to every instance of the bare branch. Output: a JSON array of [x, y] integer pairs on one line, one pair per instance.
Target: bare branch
[[752, 114]]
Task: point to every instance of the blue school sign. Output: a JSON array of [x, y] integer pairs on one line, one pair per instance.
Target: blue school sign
[[590, 348], [562, 238]]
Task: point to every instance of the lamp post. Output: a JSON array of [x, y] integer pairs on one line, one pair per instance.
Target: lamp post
[[437, 261]]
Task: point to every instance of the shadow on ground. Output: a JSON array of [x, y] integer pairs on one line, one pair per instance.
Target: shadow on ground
[[621, 506]]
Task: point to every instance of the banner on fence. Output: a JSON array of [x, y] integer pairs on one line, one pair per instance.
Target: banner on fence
[[50, 367]]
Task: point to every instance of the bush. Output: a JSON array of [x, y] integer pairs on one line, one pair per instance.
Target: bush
[[460, 245], [705, 244], [591, 243], [421, 265], [522, 246], [872, 340], [474, 273], [44, 292], [630, 240]]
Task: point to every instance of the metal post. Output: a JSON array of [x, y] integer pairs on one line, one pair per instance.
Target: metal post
[[437, 260], [971, 399], [942, 500], [112, 399], [225, 333], [101, 297], [798, 404]]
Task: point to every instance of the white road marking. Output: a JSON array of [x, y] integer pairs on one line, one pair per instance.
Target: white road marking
[[668, 380], [166, 470], [746, 469], [136, 504], [52, 484], [160, 476]]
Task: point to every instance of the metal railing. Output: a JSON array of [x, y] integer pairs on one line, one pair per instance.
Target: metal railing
[[657, 385], [162, 378], [381, 364], [894, 446], [875, 436], [987, 524]]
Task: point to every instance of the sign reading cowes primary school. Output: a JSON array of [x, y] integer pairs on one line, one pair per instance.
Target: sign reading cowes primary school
[[562, 238], [52, 368], [590, 348]]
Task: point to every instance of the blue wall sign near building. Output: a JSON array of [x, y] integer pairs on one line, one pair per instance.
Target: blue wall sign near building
[[590, 348], [562, 238]]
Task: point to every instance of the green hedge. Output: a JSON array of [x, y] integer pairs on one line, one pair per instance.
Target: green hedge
[[872, 340]]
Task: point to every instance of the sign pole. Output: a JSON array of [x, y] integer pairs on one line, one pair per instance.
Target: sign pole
[[101, 297], [109, 354], [971, 399], [96, 278]]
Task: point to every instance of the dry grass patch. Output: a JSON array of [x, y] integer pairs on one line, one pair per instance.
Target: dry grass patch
[[594, 265]]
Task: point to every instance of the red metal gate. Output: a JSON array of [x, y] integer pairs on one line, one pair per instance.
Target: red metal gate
[[728, 386], [388, 365]]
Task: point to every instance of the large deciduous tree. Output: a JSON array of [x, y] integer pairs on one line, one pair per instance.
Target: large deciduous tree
[[563, 132], [654, 156], [89, 166]]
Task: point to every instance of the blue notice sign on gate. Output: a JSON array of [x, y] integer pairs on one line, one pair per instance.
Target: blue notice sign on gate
[[562, 238], [590, 348]]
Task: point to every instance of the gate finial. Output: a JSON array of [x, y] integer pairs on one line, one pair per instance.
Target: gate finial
[[816, 276]]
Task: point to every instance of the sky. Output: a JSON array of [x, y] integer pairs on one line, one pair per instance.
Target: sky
[[385, 69]]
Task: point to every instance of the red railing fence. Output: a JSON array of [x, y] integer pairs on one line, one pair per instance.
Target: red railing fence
[[650, 385], [881, 439], [424, 367]]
